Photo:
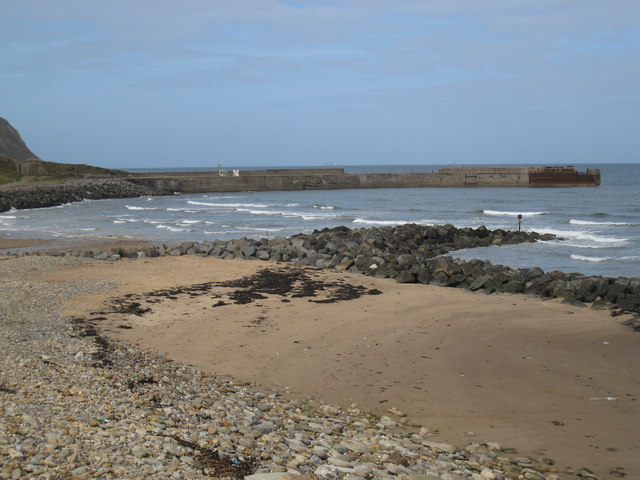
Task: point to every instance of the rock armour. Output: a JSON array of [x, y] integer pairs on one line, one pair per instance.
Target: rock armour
[[73, 191]]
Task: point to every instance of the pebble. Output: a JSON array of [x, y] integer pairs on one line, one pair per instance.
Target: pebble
[[79, 406]]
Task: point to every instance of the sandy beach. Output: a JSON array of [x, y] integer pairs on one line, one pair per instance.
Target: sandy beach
[[547, 379]]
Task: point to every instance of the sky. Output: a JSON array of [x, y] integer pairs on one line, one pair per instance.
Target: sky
[[175, 83]]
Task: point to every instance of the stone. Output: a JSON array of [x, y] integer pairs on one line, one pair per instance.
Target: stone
[[364, 469], [264, 427], [339, 462], [387, 422], [173, 449], [102, 256], [443, 447], [488, 474], [248, 250], [326, 472], [479, 282], [405, 277], [276, 476], [345, 264]]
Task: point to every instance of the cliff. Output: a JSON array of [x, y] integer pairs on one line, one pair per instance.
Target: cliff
[[12, 145], [18, 162]]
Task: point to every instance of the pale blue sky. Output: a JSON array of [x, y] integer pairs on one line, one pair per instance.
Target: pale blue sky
[[147, 83]]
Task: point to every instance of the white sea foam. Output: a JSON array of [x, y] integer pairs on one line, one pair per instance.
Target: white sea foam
[[260, 212], [227, 205], [603, 259], [584, 246], [190, 222], [119, 221], [185, 210], [583, 236], [588, 222], [512, 214], [216, 197], [133, 207], [310, 217], [324, 207], [224, 232], [365, 221], [7, 217], [260, 229]]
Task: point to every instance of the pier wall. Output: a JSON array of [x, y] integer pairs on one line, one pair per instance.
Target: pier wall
[[335, 178]]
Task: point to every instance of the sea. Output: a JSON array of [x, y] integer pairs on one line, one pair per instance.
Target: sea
[[597, 228]]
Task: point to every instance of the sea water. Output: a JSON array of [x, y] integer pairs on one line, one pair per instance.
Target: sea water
[[598, 228]]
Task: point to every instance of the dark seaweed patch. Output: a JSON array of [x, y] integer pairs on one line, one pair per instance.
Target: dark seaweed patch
[[215, 464], [131, 384], [5, 389]]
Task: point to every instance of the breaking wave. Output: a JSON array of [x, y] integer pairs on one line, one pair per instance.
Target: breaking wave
[[512, 214], [365, 221], [588, 222], [601, 259], [583, 236], [227, 205]]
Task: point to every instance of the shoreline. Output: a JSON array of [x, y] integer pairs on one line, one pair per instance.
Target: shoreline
[[399, 302], [408, 253]]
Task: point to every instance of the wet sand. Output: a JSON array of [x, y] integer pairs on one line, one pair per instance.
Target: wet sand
[[16, 243], [545, 378], [67, 244]]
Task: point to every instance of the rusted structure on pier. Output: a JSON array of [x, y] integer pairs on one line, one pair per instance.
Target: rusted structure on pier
[[564, 177]]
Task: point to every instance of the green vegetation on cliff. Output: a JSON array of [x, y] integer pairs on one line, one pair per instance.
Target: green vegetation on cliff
[[39, 171], [8, 170]]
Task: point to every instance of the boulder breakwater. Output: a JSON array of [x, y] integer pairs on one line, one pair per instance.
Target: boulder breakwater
[[52, 195], [410, 253]]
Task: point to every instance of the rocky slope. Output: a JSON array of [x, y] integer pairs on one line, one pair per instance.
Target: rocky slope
[[12, 145]]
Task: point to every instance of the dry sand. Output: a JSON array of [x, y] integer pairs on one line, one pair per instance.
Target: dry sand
[[545, 378]]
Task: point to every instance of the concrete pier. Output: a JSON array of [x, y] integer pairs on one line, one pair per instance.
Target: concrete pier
[[336, 178]]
